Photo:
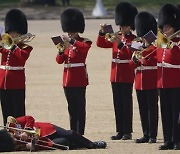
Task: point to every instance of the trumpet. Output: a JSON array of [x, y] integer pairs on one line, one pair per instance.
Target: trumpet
[[111, 36], [8, 42]]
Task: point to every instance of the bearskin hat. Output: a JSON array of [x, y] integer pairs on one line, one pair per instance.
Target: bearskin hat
[[145, 22], [72, 20], [6, 141], [15, 20], [169, 15], [125, 14]]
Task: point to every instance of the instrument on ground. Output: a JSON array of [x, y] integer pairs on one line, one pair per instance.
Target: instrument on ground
[[8, 42], [34, 140], [112, 36], [35, 133], [164, 41]]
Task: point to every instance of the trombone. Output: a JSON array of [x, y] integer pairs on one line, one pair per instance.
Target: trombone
[[32, 132], [35, 139], [164, 41], [8, 42]]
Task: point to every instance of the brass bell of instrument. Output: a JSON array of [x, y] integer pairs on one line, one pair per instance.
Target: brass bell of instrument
[[164, 41], [111, 36], [8, 42]]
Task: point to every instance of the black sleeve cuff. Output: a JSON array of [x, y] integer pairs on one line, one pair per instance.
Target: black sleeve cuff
[[120, 45], [101, 33], [13, 48], [60, 53], [72, 41]]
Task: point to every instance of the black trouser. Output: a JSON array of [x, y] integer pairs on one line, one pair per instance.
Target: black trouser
[[12, 103], [76, 99], [122, 99], [170, 110], [70, 138], [148, 109]]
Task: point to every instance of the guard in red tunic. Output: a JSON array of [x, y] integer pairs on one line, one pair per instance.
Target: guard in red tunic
[[168, 79], [75, 77], [146, 77], [12, 71], [122, 75], [49, 136]]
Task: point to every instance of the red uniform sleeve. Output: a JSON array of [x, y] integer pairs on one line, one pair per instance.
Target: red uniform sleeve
[[103, 43], [60, 58], [176, 51], [26, 122], [22, 54], [82, 46]]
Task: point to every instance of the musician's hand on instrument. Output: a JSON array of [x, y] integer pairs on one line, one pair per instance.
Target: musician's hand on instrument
[[14, 34], [66, 38], [24, 135], [102, 27]]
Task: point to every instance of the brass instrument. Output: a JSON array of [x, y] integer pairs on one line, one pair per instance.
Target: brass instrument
[[8, 42], [112, 36], [164, 41], [35, 140], [62, 46], [35, 133], [138, 55]]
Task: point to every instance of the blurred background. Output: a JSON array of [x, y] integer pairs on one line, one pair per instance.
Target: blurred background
[[51, 9]]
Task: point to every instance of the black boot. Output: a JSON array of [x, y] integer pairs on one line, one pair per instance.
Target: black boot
[[127, 137], [167, 146], [100, 145], [177, 146], [117, 137], [143, 139]]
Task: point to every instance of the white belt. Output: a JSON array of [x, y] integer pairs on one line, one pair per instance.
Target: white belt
[[74, 65], [167, 65], [141, 68], [14, 68], [120, 61]]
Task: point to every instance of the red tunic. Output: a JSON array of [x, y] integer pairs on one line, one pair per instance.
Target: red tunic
[[14, 79], [75, 54], [29, 122], [146, 71], [121, 71], [169, 66]]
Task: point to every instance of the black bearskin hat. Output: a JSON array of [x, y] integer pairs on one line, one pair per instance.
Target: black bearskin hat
[[72, 20], [15, 20], [6, 141], [125, 14], [145, 22], [169, 15]]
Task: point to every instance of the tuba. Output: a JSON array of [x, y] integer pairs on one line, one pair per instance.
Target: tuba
[[8, 42]]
